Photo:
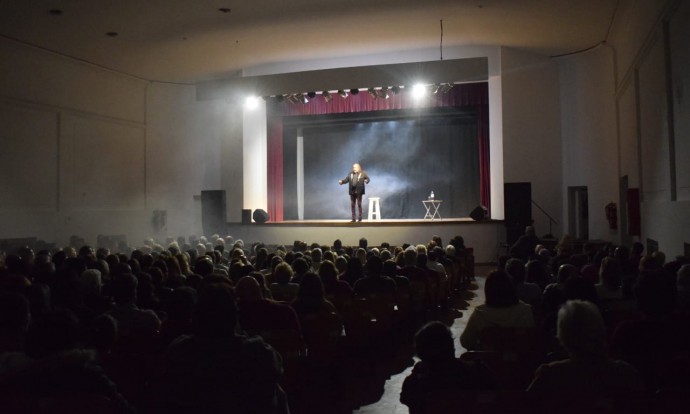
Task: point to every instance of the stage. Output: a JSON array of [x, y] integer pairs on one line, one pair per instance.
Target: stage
[[485, 236]]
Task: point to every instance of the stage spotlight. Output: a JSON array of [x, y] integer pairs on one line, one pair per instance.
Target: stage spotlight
[[383, 93], [280, 98], [372, 92], [326, 96], [251, 102], [294, 98], [304, 99], [435, 88], [342, 93], [396, 90], [418, 91], [311, 95], [445, 87], [354, 91]]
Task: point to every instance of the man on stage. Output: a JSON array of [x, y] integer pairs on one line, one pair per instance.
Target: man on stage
[[357, 178]]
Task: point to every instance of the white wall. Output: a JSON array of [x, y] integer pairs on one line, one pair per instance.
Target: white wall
[[73, 147], [190, 145], [615, 123], [86, 151], [531, 131], [588, 125]]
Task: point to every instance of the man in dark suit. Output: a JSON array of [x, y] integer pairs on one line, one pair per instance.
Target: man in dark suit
[[357, 178]]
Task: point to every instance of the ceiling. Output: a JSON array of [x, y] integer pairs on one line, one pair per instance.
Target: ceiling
[[187, 41]]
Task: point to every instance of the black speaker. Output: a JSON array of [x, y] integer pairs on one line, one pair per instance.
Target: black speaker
[[260, 216], [213, 216], [479, 213], [517, 202], [246, 216]]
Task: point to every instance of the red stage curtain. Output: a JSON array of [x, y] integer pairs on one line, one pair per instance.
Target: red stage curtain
[[275, 168], [468, 95]]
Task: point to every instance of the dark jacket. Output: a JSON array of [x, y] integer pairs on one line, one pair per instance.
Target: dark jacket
[[356, 181]]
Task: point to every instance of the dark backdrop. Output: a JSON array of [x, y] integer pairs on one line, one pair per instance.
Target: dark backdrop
[[407, 154]]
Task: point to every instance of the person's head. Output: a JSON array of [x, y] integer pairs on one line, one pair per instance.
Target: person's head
[[374, 266], [328, 272], [316, 255], [410, 257], [248, 289], [516, 269], [311, 289], [356, 168], [300, 266], [215, 314], [90, 281], [283, 273], [610, 273], [565, 272], [499, 290], [581, 329], [434, 343], [124, 288], [683, 278], [390, 268]]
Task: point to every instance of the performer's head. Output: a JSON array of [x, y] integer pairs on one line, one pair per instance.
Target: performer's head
[[356, 167]]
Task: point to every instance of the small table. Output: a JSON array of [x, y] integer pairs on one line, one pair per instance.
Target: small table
[[431, 207]]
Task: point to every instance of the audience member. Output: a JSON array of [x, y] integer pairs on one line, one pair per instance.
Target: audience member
[[439, 369], [582, 333], [501, 308]]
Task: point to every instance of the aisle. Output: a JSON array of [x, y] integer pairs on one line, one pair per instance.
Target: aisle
[[390, 401]]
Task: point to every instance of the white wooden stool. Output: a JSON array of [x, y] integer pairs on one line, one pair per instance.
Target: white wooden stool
[[374, 208]]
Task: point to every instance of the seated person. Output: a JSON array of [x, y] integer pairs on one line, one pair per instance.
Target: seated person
[[501, 308], [217, 370], [582, 333], [258, 314], [283, 290], [374, 282], [439, 369]]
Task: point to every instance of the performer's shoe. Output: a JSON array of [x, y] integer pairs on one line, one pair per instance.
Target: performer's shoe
[[353, 220], [360, 220]]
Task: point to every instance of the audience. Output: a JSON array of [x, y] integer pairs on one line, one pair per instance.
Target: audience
[[127, 296]]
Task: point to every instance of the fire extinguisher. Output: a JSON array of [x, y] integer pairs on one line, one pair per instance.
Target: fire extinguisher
[[612, 216]]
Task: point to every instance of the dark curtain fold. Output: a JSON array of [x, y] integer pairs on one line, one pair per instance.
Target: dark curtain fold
[[473, 95]]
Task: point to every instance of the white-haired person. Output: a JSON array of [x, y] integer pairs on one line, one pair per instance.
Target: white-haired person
[[588, 368]]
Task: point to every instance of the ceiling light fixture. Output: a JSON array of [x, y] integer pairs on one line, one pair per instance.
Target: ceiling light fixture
[[383, 93], [342, 93], [354, 91], [372, 92], [326, 96]]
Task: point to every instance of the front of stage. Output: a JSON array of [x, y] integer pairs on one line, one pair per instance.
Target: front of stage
[[485, 236]]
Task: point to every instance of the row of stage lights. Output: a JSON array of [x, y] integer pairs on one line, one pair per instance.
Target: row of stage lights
[[418, 91]]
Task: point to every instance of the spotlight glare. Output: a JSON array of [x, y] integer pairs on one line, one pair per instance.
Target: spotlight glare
[[418, 91], [251, 102]]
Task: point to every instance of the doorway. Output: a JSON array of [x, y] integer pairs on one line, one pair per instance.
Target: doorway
[[578, 213]]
